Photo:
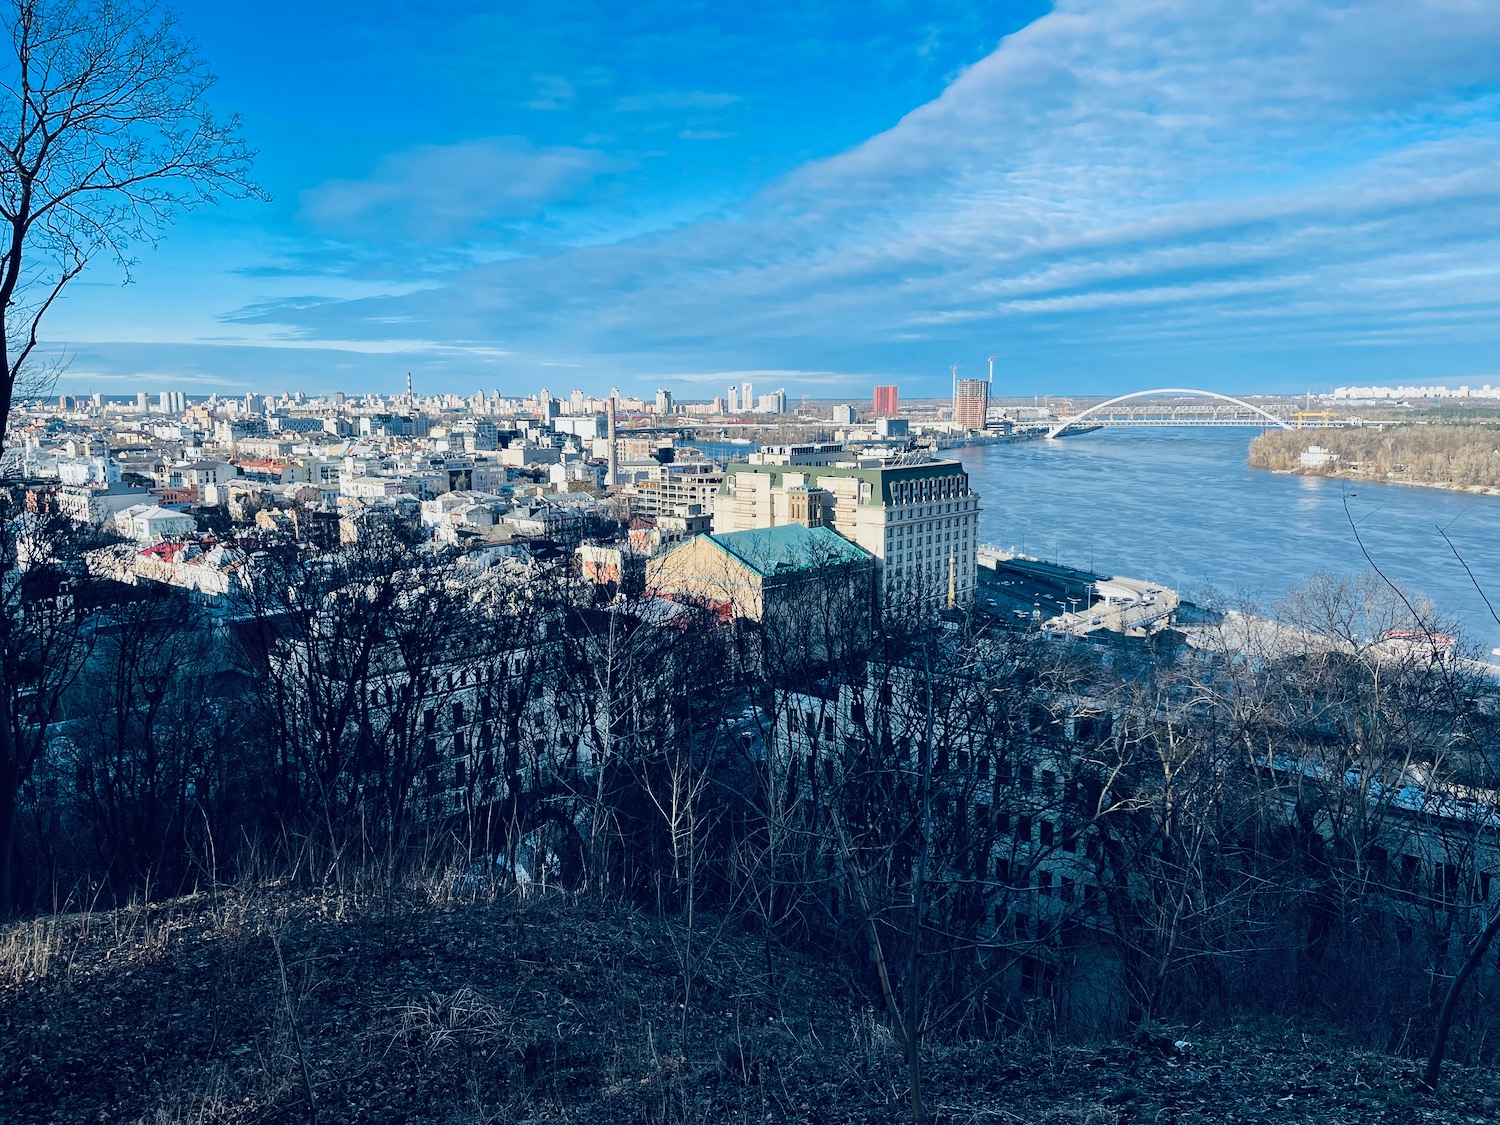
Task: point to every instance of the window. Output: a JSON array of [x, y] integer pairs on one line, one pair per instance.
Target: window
[[1047, 833], [458, 714], [1044, 884], [1409, 868]]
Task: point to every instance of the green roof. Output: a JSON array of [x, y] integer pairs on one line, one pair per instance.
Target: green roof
[[789, 548]]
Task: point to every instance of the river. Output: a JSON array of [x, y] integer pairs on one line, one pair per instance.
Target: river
[[1181, 507]]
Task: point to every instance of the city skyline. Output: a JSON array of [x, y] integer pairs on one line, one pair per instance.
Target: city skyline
[[1115, 196]]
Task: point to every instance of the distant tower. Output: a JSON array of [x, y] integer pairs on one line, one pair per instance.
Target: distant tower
[[887, 402], [409, 397], [612, 477], [971, 403]]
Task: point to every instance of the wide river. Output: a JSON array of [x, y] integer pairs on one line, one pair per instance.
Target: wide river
[[1181, 507]]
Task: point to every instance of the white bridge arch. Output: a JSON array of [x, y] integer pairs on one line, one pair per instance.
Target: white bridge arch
[[1267, 415]]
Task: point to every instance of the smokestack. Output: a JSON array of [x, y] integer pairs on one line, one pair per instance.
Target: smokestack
[[612, 477]]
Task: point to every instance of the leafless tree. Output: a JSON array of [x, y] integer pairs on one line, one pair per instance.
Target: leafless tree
[[105, 136], [148, 731], [44, 641]]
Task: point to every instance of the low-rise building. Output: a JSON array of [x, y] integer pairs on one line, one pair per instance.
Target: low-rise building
[[148, 523], [809, 588]]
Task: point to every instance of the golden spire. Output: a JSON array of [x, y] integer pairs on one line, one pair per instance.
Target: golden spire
[[952, 581]]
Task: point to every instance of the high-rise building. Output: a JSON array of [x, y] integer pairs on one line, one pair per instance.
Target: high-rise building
[[886, 402], [920, 519], [663, 401], [773, 403], [747, 396], [142, 401], [845, 415], [971, 402], [733, 405]]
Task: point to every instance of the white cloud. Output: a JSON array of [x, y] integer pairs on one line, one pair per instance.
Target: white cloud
[[1153, 174], [444, 192]]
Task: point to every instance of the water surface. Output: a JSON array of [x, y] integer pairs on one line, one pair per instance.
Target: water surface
[[1181, 506]]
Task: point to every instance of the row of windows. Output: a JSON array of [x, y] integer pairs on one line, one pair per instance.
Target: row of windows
[[933, 488]]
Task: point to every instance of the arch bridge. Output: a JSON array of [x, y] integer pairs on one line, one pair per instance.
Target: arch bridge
[[1247, 414]]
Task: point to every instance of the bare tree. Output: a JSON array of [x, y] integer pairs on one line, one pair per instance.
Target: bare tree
[[43, 644], [105, 135]]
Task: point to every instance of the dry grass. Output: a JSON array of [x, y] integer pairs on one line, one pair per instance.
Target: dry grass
[[450, 1003]]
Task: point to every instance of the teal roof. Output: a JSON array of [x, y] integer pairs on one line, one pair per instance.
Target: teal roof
[[789, 548]]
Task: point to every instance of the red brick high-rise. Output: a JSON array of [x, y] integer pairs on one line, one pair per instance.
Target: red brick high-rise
[[886, 405]]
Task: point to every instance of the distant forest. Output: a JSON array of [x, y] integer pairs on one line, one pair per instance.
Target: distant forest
[[1456, 455]]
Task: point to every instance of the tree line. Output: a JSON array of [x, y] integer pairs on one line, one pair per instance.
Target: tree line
[[1438, 454]]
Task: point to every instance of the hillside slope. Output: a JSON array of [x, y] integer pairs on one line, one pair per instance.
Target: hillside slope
[[259, 1007]]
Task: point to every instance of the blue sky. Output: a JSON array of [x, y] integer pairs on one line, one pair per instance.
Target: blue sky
[[1230, 194]]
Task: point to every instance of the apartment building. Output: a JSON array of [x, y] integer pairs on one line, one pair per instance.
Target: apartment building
[[671, 488], [971, 403], [918, 517]]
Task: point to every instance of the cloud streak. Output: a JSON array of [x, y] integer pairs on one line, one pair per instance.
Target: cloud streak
[[1121, 186], [445, 193]]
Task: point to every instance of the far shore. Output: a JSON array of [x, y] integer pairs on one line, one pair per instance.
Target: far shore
[[1471, 489]]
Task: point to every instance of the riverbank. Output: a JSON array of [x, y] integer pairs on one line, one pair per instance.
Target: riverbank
[[1362, 478], [1458, 458]]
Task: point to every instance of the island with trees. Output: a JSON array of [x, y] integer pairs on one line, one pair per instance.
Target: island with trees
[[1459, 457]]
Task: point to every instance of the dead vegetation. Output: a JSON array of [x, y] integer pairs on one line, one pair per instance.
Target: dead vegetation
[[430, 1006]]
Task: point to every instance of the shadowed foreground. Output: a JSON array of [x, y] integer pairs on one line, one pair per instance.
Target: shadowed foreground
[[475, 1008]]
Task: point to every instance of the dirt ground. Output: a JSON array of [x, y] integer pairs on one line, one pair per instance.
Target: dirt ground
[[278, 1006]]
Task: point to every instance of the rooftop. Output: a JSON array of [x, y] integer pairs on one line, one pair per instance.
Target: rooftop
[[791, 547]]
